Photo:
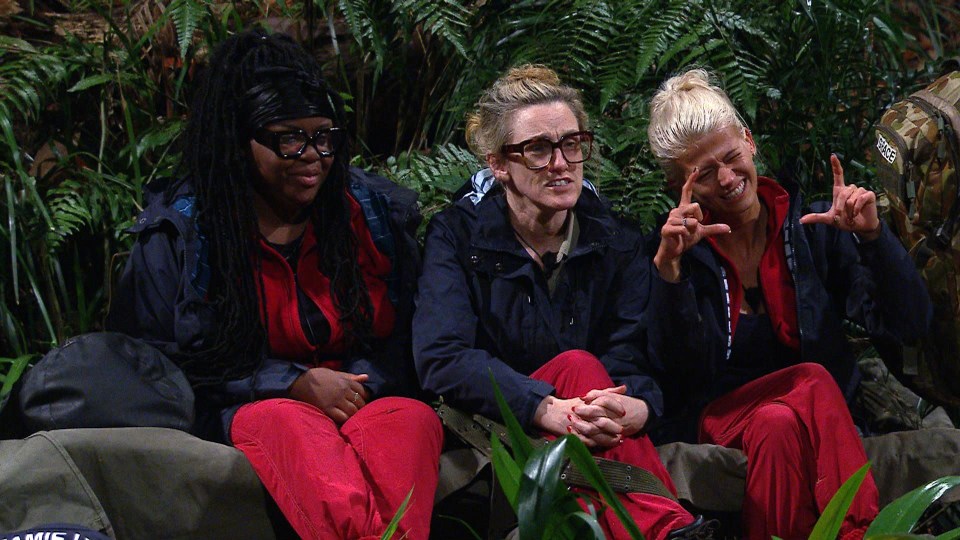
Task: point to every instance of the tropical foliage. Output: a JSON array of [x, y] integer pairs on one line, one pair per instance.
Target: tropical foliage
[[93, 94]]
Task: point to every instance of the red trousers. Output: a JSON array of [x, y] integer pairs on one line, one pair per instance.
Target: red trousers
[[573, 374], [801, 445], [344, 481]]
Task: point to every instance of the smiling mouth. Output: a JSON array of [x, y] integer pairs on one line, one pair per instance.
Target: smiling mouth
[[560, 182], [737, 191]]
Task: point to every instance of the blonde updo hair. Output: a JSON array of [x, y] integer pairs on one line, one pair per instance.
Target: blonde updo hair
[[488, 127], [686, 107]]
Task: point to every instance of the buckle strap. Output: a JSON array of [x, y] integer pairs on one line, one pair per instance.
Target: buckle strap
[[475, 430]]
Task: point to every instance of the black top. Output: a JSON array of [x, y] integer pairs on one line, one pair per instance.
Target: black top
[[756, 352]]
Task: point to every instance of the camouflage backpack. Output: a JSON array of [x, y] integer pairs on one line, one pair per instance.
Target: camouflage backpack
[[917, 154]]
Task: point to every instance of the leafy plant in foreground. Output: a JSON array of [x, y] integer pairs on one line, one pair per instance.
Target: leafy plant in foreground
[[530, 479], [896, 520]]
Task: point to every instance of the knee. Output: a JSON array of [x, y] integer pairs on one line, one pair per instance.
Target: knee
[[271, 417], [416, 415], [773, 422], [814, 373], [820, 383], [578, 361]]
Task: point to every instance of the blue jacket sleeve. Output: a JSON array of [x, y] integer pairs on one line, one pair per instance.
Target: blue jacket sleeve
[[444, 337], [156, 302], [882, 289], [385, 364], [676, 340], [621, 341], [143, 303]]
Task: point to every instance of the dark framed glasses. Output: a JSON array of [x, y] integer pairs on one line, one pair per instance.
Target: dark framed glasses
[[291, 144], [538, 152]]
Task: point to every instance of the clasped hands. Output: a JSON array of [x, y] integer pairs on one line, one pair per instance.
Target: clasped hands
[[600, 418]]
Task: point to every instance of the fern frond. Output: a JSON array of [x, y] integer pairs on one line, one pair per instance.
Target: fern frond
[[636, 51], [187, 16], [435, 176], [23, 70], [360, 18], [445, 18]]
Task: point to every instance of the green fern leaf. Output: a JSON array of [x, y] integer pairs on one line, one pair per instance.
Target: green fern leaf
[[444, 18], [186, 15]]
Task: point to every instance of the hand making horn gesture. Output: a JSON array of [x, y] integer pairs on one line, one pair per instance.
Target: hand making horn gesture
[[683, 229], [854, 208]]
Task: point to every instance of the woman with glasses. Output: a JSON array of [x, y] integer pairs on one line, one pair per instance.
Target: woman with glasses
[[281, 280], [751, 287], [542, 287]]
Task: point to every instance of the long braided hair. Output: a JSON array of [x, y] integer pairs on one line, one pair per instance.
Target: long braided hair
[[217, 163]]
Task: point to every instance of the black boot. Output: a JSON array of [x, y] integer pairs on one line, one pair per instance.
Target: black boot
[[700, 529]]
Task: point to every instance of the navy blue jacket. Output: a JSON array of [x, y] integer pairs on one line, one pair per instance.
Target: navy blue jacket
[[836, 277], [160, 296], [483, 306]]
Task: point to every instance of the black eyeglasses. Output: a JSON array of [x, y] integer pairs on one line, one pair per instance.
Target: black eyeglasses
[[538, 152], [293, 143]]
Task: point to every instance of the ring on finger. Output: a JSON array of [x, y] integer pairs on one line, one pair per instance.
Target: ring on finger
[[356, 396], [684, 222], [836, 220]]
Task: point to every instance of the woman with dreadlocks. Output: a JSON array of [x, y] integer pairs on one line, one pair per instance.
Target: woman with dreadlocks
[[280, 280]]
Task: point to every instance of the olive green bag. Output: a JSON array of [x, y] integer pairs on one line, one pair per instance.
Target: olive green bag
[[917, 153]]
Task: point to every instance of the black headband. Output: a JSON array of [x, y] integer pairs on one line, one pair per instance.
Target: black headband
[[286, 93]]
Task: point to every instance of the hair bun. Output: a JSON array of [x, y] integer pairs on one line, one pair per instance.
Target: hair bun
[[533, 72], [693, 79]]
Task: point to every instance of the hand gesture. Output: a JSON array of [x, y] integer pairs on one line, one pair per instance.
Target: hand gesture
[[683, 229], [854, 208], [338, 394]]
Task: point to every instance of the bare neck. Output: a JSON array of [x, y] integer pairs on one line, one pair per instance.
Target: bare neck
[[747, 239], [535, 224], [272, 227]]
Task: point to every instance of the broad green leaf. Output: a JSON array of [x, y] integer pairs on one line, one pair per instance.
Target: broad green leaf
[[91, 81], [541, 488], [521, 445], [589, 521], [828, 526], [584, 463], [17, 365], [160, 136], [950, 535], [10, 42], [902, 515], [506, 471]]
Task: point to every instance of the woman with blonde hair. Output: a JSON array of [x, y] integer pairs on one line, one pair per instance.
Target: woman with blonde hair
[[541, 285], [750, 287]]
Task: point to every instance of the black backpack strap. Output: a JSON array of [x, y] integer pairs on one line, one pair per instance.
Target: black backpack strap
[[475, 430]]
